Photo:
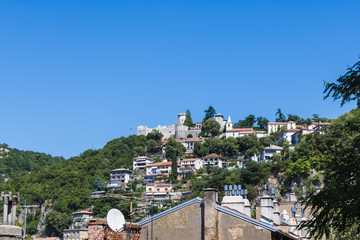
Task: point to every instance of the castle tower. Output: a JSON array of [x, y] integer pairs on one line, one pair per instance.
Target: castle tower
[[181, 118], [229, 124], [180, 128]]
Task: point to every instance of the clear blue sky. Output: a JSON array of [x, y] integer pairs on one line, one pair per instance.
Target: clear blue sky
[[76, 74]]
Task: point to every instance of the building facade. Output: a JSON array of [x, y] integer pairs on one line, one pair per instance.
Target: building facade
[[119, 177], [140, 163]]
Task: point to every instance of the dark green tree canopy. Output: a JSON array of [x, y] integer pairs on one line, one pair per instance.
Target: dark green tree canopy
[[280, 116], [188, 120], [210, 128], [209, 113], [347, 87], [336, 208], [248, 122]]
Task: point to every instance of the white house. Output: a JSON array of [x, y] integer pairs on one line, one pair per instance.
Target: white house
[[268, 152], [189, 143], [287, 136], [141, 162], [190, 164], [163, 168], [276, 126], [119, 177], [212, 160]]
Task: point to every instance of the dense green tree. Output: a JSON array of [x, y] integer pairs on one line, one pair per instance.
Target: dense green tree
[[214, 145], [230, 147], [200, 150], [173, 150], [56, 222], [347, 86], [262, 122], [98, 184], [152, 146], [210, 128], [336, 207], [249, 145], [188, 120], [155, 135], [280, 116], [248, 122], [209, 113]]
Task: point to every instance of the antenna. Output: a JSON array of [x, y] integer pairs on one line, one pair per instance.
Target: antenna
[[115, 220]]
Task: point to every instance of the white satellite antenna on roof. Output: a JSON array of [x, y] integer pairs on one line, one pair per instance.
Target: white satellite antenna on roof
[[115, 220]]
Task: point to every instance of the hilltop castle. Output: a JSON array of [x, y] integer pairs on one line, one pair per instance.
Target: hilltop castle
[[179, 130]]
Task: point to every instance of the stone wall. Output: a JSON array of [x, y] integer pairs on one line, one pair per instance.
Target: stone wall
[[8, 232], [232, 228], [183, 224]]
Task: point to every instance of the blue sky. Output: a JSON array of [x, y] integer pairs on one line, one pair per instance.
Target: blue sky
[[76, 74]]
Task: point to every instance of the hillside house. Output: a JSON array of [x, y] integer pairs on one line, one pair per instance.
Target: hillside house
[[213, 160], [141, 162], [189, 143], [287, 136], [276, 126], [163, 168], [268, 152], [119, 177]]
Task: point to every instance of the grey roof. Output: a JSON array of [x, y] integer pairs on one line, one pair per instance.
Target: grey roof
[[171, 210], [246, 218]]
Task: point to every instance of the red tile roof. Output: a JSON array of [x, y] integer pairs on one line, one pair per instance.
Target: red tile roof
[[194, 139], [83, 212], [213, 155], [239, 130], [159, 164], [292, 130], [189, 159]]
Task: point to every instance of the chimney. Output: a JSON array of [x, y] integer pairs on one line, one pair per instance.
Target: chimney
[[276, 213], [247, 207], [233, 198], [266, 204], [210, 215]]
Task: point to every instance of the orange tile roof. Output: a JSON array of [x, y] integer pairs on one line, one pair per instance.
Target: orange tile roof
[[159, 164], [194, 139], [279, 123], [85, 212], [189, 159], [239, 129], [292, 130], [213, 155]]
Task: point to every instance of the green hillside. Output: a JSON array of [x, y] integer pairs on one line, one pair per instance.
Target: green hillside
[[15, 163]]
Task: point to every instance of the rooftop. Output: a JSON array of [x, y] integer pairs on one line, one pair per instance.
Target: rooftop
[[213, 155]]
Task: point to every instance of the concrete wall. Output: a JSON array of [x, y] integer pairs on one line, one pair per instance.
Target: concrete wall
[[232, 228], [184, 224]]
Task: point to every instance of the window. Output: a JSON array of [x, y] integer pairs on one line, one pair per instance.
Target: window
[[158, 189], [149, 189]]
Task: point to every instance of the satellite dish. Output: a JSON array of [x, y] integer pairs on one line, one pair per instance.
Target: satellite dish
[[115, 220]]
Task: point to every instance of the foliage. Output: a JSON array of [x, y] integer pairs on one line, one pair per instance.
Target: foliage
[[247, 123], [210, 128], [18, 163], [200, 150], [262, 122], [56, 222], [173, 150], [280, 116], [334, 211], [98, 184], [347, 87], [209, 113], [188, 120]]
